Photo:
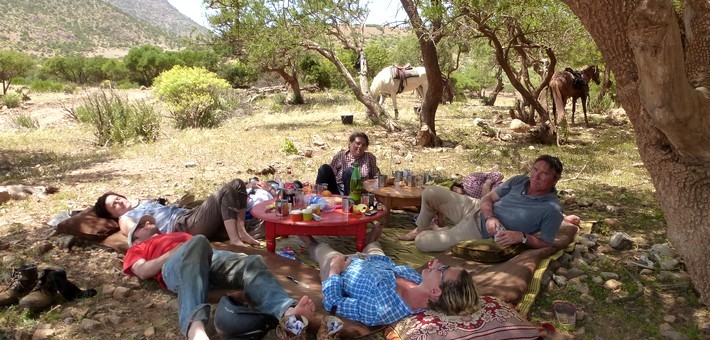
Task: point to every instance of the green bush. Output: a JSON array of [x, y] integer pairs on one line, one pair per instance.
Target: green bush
[[239, 74], [127, 85], [25, 121], [46, 86], [117, 120], [19, 81], [289, 148], [12, 100], [192, 95]]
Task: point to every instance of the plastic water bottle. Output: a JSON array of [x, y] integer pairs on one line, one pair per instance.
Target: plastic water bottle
[[286, 252], [498, 231]]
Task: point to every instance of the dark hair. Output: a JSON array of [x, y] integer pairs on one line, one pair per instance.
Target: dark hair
[[100, 206], [553, 162], [357, 134], [458, 297]]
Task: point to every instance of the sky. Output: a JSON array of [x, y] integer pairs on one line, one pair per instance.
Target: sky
[[381, 11]]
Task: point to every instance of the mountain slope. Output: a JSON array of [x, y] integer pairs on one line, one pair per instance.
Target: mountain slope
[[47, 28], [161, 13]]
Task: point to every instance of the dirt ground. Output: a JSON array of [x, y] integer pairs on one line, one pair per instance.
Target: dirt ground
[[61, 153]]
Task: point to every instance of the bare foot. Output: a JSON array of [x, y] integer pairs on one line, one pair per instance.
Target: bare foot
[[246, 238], [305, 308], [238, 242], [411, 235], [374, 233], [196, 331]]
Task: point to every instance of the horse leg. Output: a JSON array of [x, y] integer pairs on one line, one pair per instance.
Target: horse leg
[[574, 104], [394, 105], [584, 108]]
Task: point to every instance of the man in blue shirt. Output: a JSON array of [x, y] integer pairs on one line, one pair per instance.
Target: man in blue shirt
[[525, 209], [370, 288]]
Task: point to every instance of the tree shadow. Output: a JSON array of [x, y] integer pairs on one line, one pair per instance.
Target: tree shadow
[[42, 167]]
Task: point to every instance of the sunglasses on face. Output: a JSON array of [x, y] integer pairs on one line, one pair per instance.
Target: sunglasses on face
[[441, 269]]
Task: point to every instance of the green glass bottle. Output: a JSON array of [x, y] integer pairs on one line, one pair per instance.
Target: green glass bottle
[[356, 184]]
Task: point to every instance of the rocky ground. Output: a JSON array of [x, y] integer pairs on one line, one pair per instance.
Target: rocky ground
[[625, 280]]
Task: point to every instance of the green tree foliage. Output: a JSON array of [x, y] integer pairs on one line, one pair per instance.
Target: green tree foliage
[[13, 64], [192, 95], [117, 120], [239, 74], [70, 68], [147, 61]]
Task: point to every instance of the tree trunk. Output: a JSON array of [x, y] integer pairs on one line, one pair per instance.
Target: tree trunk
[[375, 112], [293, 83], [490, 100], [664, 92], [605, 85], [426, 136]]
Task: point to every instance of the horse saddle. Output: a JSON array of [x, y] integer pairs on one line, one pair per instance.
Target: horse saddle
[[577, 80], [402, 73]]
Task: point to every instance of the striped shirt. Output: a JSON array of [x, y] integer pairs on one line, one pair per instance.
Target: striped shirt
[[367, 291]]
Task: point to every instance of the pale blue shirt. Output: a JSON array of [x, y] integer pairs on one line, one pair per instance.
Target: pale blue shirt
[[518, 211], [165, 216]]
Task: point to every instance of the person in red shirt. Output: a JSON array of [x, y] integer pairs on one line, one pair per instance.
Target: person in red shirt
[[337, 173], [187, 265]]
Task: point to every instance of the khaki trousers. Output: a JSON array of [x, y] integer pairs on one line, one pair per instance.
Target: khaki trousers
[[463, 210]]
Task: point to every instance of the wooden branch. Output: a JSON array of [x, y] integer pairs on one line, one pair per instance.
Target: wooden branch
[[575, 177]]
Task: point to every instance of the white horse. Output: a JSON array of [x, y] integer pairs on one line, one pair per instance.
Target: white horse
[[385, 84]]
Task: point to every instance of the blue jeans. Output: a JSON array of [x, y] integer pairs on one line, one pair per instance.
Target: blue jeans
[[195, 267]]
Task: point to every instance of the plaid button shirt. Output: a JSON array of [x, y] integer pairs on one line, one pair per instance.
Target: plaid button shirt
[[343, 160], [367, 291]]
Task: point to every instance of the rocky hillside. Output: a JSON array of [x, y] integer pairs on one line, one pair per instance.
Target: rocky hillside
[[105, 27]]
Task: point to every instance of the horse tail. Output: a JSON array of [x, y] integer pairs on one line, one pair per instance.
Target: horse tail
[[558, 104]]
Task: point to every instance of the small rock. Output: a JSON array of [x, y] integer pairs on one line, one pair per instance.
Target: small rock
[[68, 321], [581, 315], [562, 271], [579, 263], [582, 288], [574, 272], [612, 285], [121, 293], [646, 271], [440, 168], [673, 335], [108, 289], [668, 264], [587, 298], [519, 126], [43, 332], [609, 275], [581, 248], [317, 140], [663, 249], [560, 280], [621, 241], [669, 318], [589, 240], [149, 332], [459, 149], [597, 279], [190, 164], [665, 327], [88, 324], [611, 222], [115, 319]]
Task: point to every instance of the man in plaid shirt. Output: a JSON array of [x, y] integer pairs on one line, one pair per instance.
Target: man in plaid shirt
[[370, 288]]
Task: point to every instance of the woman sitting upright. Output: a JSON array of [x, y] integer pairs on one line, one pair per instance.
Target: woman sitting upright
[[337, 173]]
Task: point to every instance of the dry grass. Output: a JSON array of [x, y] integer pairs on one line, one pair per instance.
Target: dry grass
[[599, 165]]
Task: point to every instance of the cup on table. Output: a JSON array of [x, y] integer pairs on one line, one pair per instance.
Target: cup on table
[[398, 177], [319, 189], [315, 208], [297, 215], [283, 208], [381, 181], [307, 214], [411, 180], [368, 200], [347, 204]]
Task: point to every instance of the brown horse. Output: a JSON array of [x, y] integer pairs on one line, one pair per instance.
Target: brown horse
[[563, 85]]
